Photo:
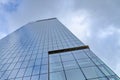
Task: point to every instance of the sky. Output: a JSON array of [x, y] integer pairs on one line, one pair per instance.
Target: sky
[[94, 22]]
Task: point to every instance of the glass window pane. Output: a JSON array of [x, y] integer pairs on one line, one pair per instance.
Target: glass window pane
[[5, 75], [114, 78], [74, 74], [70, 65], [36, 70], [26, 78], [107, 69], [13, 73], [16, 79], [56, 67], [57, 76], [36, 77], [45, 61], [90, 53], [97, 61], [92, 72], [85, 62], [79, 54], [37, 62], [44, 77], [54, 58], [18, 65], [21, 73], [28, 71], [99, 79], [44, 69], [67, 57], [31, 63]]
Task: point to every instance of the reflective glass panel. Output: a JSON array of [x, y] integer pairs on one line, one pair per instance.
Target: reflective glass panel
[[92, 72]]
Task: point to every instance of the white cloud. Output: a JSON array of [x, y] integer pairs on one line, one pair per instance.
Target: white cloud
[[4, 1], [7, 1], [79, 23], [109, 31]]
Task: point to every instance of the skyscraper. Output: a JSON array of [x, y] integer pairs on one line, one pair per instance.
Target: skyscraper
[[47, 50]]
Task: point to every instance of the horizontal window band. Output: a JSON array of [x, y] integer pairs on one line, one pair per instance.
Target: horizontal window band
[[68, 49]]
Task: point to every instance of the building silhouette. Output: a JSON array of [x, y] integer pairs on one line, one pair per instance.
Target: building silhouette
[[47, 50]]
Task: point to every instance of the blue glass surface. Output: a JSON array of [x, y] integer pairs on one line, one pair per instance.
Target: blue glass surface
[[24, 55]]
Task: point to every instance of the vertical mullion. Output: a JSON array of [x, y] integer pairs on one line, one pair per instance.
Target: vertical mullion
[[96, 65], [63, 67], [79, 66]]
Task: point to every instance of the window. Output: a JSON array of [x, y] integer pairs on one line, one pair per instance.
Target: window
[[99, 79], [79, 54], [74, 74], [113, 78], [56, 67], [57, 76], [64, 66], [36, 77], [85, 63], [106, 70], [92, 72], [36, 70], [70, 65], [54, 58], [67, 57], [44, 77], [44, 69]]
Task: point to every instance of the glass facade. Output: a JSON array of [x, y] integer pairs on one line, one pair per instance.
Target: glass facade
[[24, 55]]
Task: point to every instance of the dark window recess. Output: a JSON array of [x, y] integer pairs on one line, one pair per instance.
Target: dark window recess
[[69, 49]]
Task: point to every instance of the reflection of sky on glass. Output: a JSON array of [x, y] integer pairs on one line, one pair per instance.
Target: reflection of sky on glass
[[73, 67], [94, 22], [25, 52]]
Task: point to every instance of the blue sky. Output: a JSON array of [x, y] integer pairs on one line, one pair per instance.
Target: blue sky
[[95, 22]]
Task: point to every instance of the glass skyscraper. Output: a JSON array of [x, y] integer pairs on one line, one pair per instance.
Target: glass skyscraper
[[47, 50]]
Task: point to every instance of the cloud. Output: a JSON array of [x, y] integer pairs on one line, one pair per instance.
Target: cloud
[[78, 22], [108, 31], [103, 12], [9, 5], [4, 1]]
